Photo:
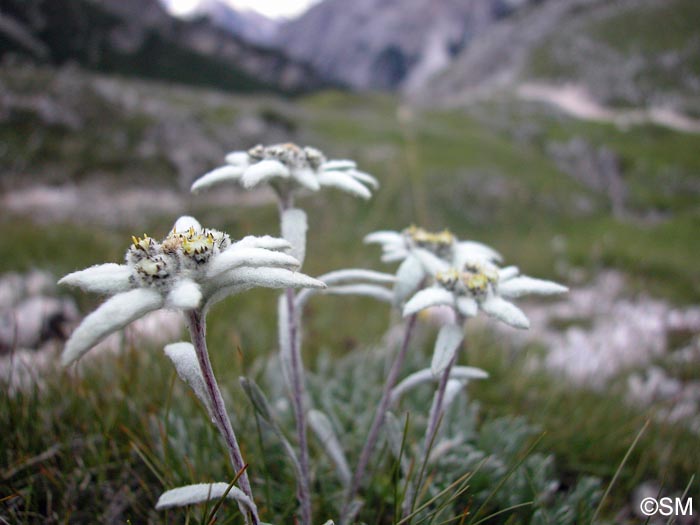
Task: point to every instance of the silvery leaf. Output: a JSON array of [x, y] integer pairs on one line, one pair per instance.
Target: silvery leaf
[[107, 278], [201, 492], [323, 429], [448, 341], [114, 314], [395, 437], [257, 398], [184, 357], [463, 373], [452, 389], [294, 226]]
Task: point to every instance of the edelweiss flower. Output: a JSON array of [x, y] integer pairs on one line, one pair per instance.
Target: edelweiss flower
[[425, 253], [288, 167], [193, 267], [477, 285], [482, 286]]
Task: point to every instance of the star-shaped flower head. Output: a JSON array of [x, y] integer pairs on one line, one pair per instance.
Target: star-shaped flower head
[[476, 285], [424, 253], [193, 267], [289, 168], [482, 286]]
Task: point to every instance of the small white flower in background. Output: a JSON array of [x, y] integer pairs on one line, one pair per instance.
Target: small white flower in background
[[476, 286], [288, 168], [192, 268], [424, 253], [480, 286]]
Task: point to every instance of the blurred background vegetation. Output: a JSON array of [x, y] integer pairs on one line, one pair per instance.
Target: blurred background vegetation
[[581, 166]]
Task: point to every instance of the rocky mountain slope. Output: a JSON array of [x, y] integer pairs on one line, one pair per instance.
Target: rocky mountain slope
[[245, 23], [139, 38], [387, 44], [631, 53]]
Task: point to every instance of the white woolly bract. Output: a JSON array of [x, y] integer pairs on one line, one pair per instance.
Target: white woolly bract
[[505, 311], [243, 279], [343, 181], [452, 389], [508, 273], [268, 278], [519, 286], [462, 373], [365, 178], [185, 295], [217, 176], [199, 493], [186, 222], [467, 306], [237, 158], [306, 178], [112, 315], [340, 164], [409, 277], [394, 255], [426, 298], [465, 251], [265, 241], [357, 275], [251, 258], [448, 341], [323, 429], [107, 278], [431, 263], [263, 171], [384, 237], [368, 290], [184, 357], [294, 226]]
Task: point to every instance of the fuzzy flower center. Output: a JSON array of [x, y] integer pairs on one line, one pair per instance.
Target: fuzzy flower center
[[179, 255], [474, 280], [289, 154], [439, 243]]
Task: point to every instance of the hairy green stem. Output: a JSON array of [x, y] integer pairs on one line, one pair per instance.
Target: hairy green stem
[[298, 388], [197, 326]]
